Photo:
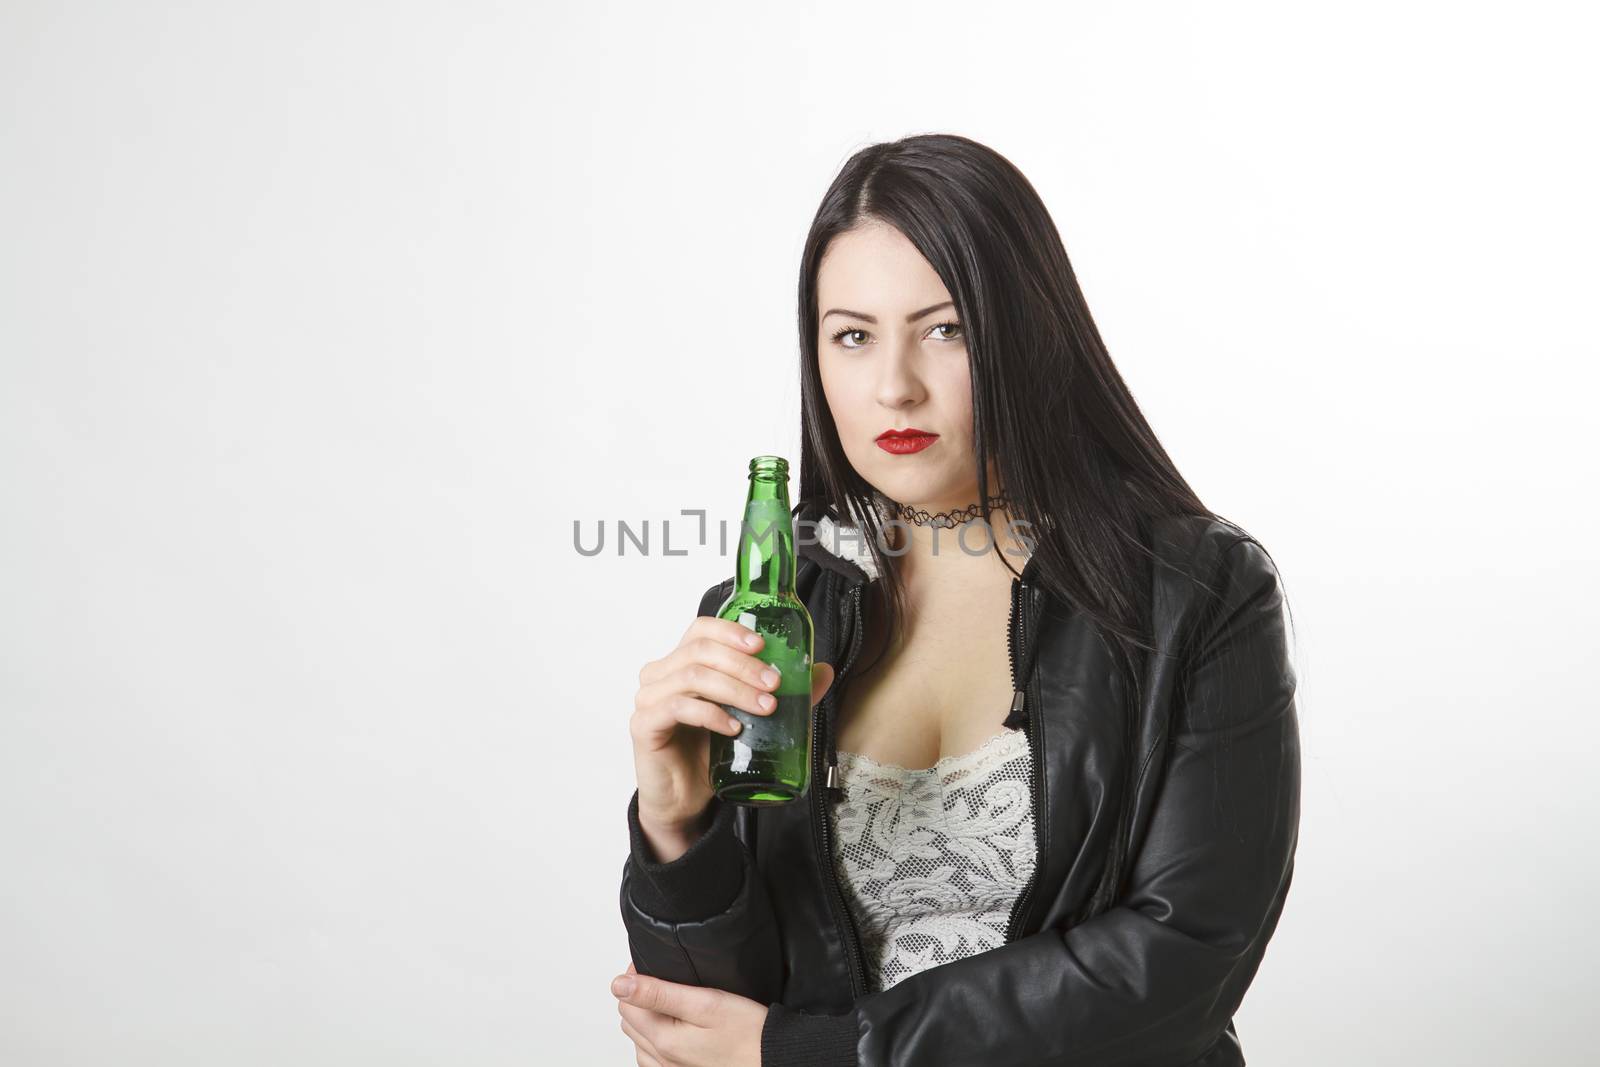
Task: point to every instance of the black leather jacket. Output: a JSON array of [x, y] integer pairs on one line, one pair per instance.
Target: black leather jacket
[[1151, 979]]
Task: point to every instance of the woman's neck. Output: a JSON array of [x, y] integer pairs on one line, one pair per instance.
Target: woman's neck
[[969, 551]]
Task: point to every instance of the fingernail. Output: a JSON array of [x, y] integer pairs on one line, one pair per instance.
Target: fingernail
[[622, 987]]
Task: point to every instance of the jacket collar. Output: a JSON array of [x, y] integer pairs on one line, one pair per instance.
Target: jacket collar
[[842, 546], [833, 543]]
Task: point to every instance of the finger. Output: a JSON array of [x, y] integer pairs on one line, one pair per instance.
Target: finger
[[729, 634], [641, 1043], [664, 1034], [750, 676], [747, 682], [631, 969], [692, 1004], [733, 634], [654, 1027], [699, 681], [821, 681], [654, 725]]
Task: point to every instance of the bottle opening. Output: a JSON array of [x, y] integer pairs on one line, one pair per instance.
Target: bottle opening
[[769, 466]]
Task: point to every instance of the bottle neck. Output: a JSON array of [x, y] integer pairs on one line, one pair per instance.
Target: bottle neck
[[766, 561]]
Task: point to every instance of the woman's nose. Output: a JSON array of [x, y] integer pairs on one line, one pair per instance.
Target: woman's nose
[[898, 385]]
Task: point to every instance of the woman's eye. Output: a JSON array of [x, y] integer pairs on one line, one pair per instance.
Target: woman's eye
[[838, 336]]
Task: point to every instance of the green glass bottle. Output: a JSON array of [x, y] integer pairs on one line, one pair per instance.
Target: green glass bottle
[[769, 760]]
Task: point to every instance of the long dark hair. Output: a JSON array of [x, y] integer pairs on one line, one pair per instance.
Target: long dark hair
[[1075, 455]]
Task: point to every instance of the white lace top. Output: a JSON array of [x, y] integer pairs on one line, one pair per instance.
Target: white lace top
[[932, 859]]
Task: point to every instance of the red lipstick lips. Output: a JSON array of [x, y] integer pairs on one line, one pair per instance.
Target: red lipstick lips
[[904, 442]]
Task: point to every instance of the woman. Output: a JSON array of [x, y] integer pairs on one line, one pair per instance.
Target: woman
[[1054, 813]]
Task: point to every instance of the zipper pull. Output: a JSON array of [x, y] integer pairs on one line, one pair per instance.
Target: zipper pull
[[1018, 716], [831, 784]]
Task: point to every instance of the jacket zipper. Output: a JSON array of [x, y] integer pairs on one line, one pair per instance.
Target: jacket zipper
[[1023, 689], [819, 816]]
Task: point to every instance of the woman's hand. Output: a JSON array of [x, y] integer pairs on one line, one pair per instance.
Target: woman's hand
[[679, 699], [675, 1025]]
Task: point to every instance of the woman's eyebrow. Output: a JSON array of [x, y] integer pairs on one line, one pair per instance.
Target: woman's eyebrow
[[913, 317]]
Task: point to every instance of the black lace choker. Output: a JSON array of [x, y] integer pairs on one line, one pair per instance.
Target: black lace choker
[[947, 519]]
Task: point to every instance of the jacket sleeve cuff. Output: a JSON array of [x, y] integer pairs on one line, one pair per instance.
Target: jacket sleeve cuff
[[698, 884], [791, 1038]]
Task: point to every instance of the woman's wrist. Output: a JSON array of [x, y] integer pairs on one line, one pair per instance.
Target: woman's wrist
[[668, 839], [794, 1038], [699, 881]]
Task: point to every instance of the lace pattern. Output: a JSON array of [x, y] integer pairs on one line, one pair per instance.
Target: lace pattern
[[932, 859]]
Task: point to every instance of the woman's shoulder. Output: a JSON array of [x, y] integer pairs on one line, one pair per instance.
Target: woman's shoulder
[[1200, 542], [1206, 563]]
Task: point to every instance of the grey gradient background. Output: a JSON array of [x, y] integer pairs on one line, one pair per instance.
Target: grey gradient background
[[321, 324]]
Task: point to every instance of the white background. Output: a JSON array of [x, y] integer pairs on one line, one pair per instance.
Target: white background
[[321, 324]]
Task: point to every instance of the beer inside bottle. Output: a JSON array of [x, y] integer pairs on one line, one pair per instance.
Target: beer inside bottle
[[769, 760]]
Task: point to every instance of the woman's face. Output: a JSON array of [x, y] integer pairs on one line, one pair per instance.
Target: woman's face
[[893, 356]]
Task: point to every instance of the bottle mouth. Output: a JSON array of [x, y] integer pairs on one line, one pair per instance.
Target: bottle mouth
[[775, 466]]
